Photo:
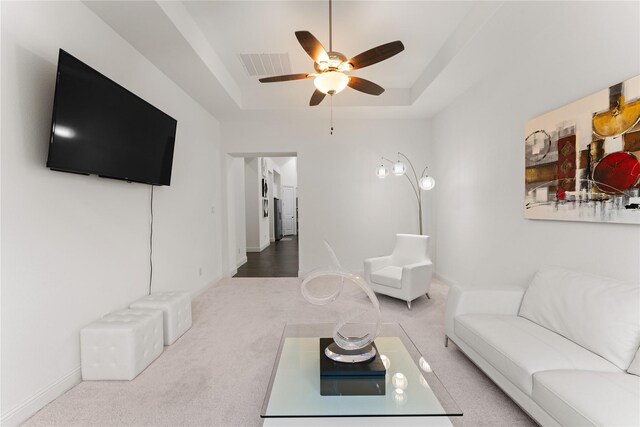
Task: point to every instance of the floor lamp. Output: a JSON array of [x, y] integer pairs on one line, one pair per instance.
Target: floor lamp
[[398, 168]]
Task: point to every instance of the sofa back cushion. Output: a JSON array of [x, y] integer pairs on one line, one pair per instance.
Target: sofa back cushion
[[600, 314]]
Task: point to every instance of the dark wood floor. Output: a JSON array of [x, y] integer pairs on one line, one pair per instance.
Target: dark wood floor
[[279, 259]]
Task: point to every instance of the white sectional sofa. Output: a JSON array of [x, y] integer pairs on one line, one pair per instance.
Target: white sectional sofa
[[565, 348]]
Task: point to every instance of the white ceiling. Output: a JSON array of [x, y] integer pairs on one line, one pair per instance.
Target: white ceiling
[[269, 26], [197, 44]]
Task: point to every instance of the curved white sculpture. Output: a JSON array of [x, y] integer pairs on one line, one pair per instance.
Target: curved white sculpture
[[350, 349]]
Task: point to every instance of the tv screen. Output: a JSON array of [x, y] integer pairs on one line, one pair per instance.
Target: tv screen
[[101, 128]]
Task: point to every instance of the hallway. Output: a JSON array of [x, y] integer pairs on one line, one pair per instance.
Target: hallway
[[279, 259]]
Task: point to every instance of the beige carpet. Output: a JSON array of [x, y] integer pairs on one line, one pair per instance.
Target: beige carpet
[[217, 373]]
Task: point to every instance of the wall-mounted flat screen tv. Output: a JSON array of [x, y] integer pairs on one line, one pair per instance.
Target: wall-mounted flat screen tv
[[101, 128]]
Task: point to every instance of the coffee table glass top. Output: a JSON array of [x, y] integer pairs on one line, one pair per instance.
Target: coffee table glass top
[[412, 388]]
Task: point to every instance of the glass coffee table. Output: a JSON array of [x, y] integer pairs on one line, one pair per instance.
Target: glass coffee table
[[412, 389]]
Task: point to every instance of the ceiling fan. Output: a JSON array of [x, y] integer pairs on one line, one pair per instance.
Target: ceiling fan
[[330, 77]]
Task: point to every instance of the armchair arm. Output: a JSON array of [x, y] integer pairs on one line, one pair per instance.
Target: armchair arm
[[499, 300], [416, 278], [373, 264]]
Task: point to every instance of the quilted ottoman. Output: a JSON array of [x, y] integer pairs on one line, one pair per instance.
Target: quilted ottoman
[[121, 344], [176, 312]]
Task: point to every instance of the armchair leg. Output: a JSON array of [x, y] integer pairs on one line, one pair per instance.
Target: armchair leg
[[446, 341], [409, 304], [427, 294]]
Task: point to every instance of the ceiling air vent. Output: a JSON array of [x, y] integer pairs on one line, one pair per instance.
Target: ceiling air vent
[[265, 64]]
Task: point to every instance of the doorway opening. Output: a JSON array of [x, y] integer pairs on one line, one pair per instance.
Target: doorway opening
[[263, 201]]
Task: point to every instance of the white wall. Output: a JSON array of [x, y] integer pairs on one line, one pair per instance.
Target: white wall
[[257, 226], [272, 230], [276, 192], [77, 247], [482, 237], [277, 184], [236, 213], [251, 199], [340, 199], [288, 167], [262, 220]]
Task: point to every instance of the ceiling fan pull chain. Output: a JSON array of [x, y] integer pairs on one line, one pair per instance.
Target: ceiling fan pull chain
[[331, 114]]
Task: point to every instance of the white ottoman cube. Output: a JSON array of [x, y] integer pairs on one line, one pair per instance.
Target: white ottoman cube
[[176, 310], [121, 344]]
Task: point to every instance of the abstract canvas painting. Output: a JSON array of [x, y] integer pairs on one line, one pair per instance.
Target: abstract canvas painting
[[582, 161]]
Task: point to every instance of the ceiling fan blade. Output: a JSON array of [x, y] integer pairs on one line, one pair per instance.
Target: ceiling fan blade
[[316, 98], [284, 78], [377, 54], [312, 46], [365, 86]]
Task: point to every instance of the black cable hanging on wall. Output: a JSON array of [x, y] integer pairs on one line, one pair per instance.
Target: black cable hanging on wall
[[151, 243]]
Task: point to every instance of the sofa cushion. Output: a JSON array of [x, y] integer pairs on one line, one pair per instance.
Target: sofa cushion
[[589, 398], [634, 368], [597, 313], [388, 276], [518, 348]]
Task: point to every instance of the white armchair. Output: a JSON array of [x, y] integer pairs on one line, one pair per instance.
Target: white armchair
[[406, 273]]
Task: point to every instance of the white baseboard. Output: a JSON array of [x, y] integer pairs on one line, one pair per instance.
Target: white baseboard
[[200, 291], [257, 249], [28, 407], [234, 271], [240, 263], [444, 280]]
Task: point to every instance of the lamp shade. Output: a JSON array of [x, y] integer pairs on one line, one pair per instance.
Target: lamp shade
[[382, 172], [331, 82], [427, 182], [399, 168]]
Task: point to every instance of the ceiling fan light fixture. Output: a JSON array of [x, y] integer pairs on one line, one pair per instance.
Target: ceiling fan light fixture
[[331, 66], [331, 82]]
